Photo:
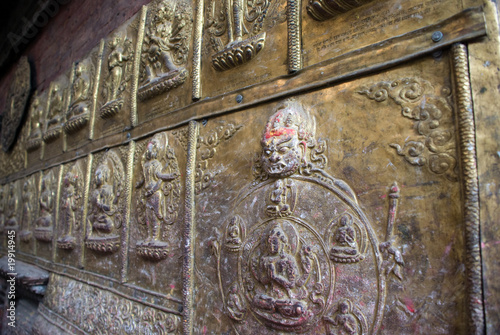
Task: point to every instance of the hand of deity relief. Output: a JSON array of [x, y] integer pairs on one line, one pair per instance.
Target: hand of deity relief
[[392, 259]]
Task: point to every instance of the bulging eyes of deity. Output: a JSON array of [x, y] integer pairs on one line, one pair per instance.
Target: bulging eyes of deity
[[282, 155]]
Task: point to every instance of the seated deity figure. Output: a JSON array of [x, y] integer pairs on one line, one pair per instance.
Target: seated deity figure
[[102, 200], [56, 105], [153, 181], [280, 272], [81, 85], [116, 62]]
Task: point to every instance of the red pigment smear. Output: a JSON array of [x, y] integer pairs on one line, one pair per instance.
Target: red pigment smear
[[383, 196], [204, 330], [172, 286], [409, 305], [279, 132]]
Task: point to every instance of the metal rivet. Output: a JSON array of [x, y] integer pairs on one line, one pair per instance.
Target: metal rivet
[[437, 36], [239, 98], [128, 136]]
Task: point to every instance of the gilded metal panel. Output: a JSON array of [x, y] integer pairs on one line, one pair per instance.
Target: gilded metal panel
[[80, 115], [34, 142], [155, 244], [324, 224], [107, 212], [29, 213], [115, 106], [18, 96], [165, 71], [53, 135], [369, 24], [45, 226], [72, 212], [243, 44]]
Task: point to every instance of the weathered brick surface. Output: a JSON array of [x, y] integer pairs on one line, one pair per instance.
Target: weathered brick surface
[[74, 30]]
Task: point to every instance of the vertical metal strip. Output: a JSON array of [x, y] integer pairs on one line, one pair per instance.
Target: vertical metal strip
[[189, 228], [95, 93], [126, 221], [471, 188], [55, 226], [137, 66], [294, 36], [198, 32], [83, 224]]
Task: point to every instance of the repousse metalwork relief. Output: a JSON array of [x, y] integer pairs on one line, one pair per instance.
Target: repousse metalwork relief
[[166, 48], [29, 211], [283, 201], [118, 79], [237, 36], [100, 310], [45, 223], [80, 115], [326, 231], [107, 208], [157, 203], [53, 135], [17, 99], [72, 209]]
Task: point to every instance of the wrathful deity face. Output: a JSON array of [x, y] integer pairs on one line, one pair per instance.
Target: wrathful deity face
[[284, 140]]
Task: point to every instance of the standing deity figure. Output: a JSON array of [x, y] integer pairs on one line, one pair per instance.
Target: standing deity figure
[[12, 204], [159, 200], [43, 230], [69, 207], [35, 135], [27, 215], [105, 215], [116, 62], [117, 77]]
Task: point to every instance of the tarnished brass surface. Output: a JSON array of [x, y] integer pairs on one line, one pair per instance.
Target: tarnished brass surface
[[80, 115], [115, 106], [17, 99], [306, 237], [164, 80], [53, 136], [325, 182]]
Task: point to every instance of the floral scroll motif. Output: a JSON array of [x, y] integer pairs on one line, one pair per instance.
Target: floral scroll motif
[[435, 147], [207, 146], [93, 310]]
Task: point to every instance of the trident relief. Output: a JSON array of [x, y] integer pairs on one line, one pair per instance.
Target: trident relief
[[300, 250]]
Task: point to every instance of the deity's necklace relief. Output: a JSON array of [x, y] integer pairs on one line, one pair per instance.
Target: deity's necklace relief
[[296, 237]]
